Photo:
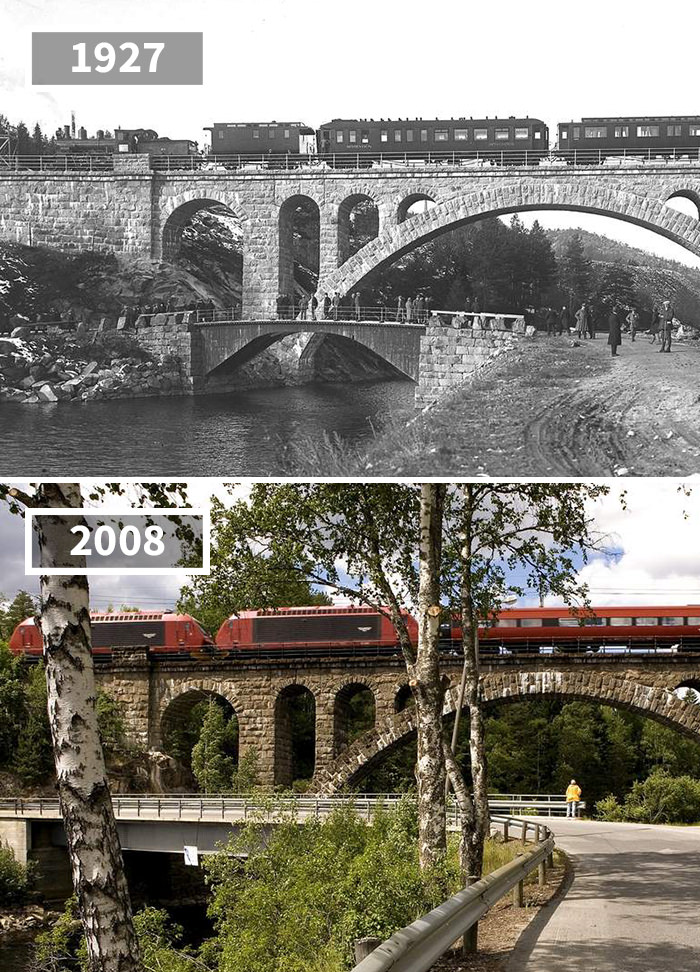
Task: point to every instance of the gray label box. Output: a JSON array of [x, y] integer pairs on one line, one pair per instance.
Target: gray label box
[[117, 57]]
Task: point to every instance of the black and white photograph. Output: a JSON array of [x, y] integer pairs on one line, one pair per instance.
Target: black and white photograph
[[401, 241]]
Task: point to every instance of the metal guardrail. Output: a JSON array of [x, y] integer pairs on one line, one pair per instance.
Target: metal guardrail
[[416, 947], [189, 806]]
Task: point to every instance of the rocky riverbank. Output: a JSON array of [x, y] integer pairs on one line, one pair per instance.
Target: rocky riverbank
[[22, 923], [54, 367]]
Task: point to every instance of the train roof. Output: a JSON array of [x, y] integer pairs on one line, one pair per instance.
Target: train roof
[[97, 617], [437, 121], [305, 610], [632, 118], [609, 609]]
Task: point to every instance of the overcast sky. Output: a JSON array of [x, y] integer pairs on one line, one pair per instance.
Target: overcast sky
[[309, 60], [655, 545]]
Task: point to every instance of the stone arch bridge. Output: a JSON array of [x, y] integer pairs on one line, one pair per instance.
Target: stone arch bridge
[[157, 694], [136, 210]]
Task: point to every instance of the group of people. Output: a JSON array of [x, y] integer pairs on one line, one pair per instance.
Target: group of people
[[411, 310], [582, 325], [205, 309]]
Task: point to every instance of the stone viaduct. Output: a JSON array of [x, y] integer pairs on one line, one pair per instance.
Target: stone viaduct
[[158, 694], [135, 210]]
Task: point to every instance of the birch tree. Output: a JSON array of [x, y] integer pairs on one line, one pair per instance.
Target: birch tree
[[379, 544], [86, 806]]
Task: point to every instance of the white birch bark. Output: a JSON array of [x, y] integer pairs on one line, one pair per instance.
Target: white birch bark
[[86, 805]]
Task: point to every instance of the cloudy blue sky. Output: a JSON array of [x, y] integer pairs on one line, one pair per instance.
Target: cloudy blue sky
[[654, 542], [306, 60]]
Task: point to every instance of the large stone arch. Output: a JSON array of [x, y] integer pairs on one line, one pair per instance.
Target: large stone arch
[[345, 210], [604, 687], [286, 246], [178, 211], [175, 696], [283, 738], [580, 194]]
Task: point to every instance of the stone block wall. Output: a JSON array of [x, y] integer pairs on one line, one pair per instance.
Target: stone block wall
[[170, 334], [451, 354]]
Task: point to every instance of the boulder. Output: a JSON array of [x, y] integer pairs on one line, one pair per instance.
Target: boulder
[[47, 394]]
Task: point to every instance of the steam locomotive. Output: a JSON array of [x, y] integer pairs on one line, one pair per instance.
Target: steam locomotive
[[161, 631]]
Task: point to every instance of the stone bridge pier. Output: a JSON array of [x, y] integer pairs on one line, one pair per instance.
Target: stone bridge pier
[[157, 695]]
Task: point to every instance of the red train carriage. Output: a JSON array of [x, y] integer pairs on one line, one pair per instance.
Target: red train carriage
[[161, 631], [603, 629], [296, 629]]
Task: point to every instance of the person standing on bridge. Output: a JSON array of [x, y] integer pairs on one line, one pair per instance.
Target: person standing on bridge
[[357, 304], [409, 310], [335, 303], [326, 307], [419, 307], [313, 304], [399, 308], [303, 307], [573, 798]]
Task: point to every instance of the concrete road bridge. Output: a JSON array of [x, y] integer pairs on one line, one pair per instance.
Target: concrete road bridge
[[158, 692], [133, 209]]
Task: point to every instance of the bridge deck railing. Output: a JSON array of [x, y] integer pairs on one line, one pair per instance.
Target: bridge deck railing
[[243, 808], [418, 946]]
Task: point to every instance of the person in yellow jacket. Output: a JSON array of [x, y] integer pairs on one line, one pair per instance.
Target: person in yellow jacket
[[573, 798]]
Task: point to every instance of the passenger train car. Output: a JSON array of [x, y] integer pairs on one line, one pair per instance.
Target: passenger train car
[[646, 136], [300, 629], [602, 629], [160, 631]]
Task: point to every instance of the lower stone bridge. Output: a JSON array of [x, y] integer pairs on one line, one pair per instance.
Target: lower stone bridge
[[437, 356], [158, 694]]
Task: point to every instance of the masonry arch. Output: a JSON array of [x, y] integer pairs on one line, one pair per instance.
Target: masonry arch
[[685, 201], [295, 734], [182, 719], [662, 705], [358, 224], [354, 712], [408, 206], [299, 235], [188, 213], [403, 698], [576, 195]]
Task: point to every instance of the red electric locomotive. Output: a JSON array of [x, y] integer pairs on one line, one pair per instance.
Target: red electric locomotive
[[602, 629], [161, 631], [295, 629]]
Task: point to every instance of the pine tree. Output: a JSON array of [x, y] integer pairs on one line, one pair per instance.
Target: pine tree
[[34, 756], [212, 768], [38, 140], [575, 272], [22, 607]]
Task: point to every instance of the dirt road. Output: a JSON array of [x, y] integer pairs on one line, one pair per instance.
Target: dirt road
[[558, 410]]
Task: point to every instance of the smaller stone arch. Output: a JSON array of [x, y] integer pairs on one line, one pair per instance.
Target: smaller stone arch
[[176, 733], [687, 202], [403, 212], [403, 698], [295, 734], [299, 227], [362, 208], [354, 712], [182, 214]]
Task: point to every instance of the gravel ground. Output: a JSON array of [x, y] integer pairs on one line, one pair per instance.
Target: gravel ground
[[559, 410]]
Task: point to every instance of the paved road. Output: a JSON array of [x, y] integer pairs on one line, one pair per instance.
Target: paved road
[[632, 905]]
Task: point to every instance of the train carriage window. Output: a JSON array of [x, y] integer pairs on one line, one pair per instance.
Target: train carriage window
[[667, 622], [550, 622], [673, 131], [221, 134], [352, 137], [568, 622], [694, 130], [424, 134], [502, 134], [622, 131], [286, 133], [481, 134], [620, 622], [364, 136], [397, 135], [538, 135], [384, 135], [506, 623], [577, 133], [647, 131], [409, 134], [531, 622], [441, 135], [339, 137], [461, 134], [596, 131], [564, 134], [693, 620], [256, 133], [271, 132], [646, 622], [522, 133]]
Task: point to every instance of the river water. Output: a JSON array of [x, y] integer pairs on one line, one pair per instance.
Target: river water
[[240, 434]]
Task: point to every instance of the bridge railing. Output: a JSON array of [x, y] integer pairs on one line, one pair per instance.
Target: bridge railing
[[418, 946], [57, 163], [189, 806]]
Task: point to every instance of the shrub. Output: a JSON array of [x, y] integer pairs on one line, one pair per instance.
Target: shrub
[[15, 878], [658, 799]]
